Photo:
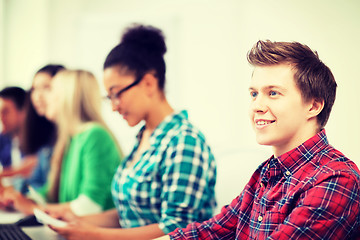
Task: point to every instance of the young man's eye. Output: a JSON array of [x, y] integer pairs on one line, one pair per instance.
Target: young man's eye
[[273, 93], [253, 94]]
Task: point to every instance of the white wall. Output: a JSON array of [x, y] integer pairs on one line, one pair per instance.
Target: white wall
[[207, 69], [2, 45], [25, 40]]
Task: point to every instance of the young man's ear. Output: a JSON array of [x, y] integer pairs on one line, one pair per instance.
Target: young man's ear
[[316, 107]]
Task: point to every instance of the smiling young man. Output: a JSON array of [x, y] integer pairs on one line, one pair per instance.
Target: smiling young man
[[307, 189]]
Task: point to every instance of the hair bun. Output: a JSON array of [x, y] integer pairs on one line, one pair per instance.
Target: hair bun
[[148, 38]]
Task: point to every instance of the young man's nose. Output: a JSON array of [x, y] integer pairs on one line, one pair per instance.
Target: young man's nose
[[259, 104]]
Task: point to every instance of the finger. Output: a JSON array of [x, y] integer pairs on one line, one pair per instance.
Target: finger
[[59, 230], [54, 228], [63, 231]]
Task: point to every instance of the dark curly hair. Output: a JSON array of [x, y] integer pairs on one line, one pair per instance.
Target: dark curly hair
[[140, 51]]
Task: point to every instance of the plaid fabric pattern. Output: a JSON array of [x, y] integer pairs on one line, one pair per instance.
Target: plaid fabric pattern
[[311, 192], [172, 183]]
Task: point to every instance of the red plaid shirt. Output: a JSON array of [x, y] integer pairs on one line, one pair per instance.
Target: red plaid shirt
[[311, 192]]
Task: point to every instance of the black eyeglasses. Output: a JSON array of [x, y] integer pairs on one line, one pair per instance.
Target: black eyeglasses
[[115, 97]]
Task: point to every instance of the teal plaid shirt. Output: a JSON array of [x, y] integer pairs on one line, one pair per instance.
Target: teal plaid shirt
[[173, 182]]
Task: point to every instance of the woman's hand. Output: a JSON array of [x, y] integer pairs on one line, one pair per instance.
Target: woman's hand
[[5, 202], [13, 199], [77, 230], [61, 211]]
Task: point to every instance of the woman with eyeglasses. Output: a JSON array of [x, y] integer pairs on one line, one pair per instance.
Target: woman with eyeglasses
[[168, 178]]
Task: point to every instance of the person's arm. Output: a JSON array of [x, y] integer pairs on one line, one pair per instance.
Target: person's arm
[[221, 226], [108, 219], [188, 180], [25, 169], [328, 210], [79, 231]]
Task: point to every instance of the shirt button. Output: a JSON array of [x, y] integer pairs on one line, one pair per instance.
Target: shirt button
[[287, 173], [260, 218]]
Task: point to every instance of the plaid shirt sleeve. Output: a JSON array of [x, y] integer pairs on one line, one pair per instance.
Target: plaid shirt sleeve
[[328, 210], [188, 177], [223, 225]]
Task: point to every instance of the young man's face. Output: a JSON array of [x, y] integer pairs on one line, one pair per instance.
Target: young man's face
[[11, 118], [278, 113]]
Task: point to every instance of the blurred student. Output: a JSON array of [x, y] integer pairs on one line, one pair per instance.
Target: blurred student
[[12, 101], [168, 179], [38, 135], [85, 156], [307, 189]]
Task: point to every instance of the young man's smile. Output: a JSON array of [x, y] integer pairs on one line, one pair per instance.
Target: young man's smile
[[261, 123]]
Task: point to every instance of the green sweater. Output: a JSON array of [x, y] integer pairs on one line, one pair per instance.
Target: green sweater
[[88, 167]]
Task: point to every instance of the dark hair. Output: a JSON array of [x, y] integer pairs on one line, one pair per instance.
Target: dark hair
[[312, 76], [15, 94], [140, 51], [51, 69], [37, 131]]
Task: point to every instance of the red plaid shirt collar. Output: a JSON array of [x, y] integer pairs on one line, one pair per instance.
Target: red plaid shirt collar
[[291, 161]]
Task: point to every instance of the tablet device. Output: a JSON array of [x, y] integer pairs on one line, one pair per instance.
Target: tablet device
[[45, 218]]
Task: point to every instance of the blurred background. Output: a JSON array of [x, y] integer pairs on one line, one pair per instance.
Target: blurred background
[[207, 71]]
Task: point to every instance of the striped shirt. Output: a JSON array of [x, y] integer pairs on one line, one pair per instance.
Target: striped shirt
[[173, 182], [310, 192]]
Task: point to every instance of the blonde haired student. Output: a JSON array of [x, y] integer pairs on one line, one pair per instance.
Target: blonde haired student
[[85, 155]]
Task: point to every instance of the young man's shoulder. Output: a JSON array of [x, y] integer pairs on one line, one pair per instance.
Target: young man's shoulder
[[332, 161]]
